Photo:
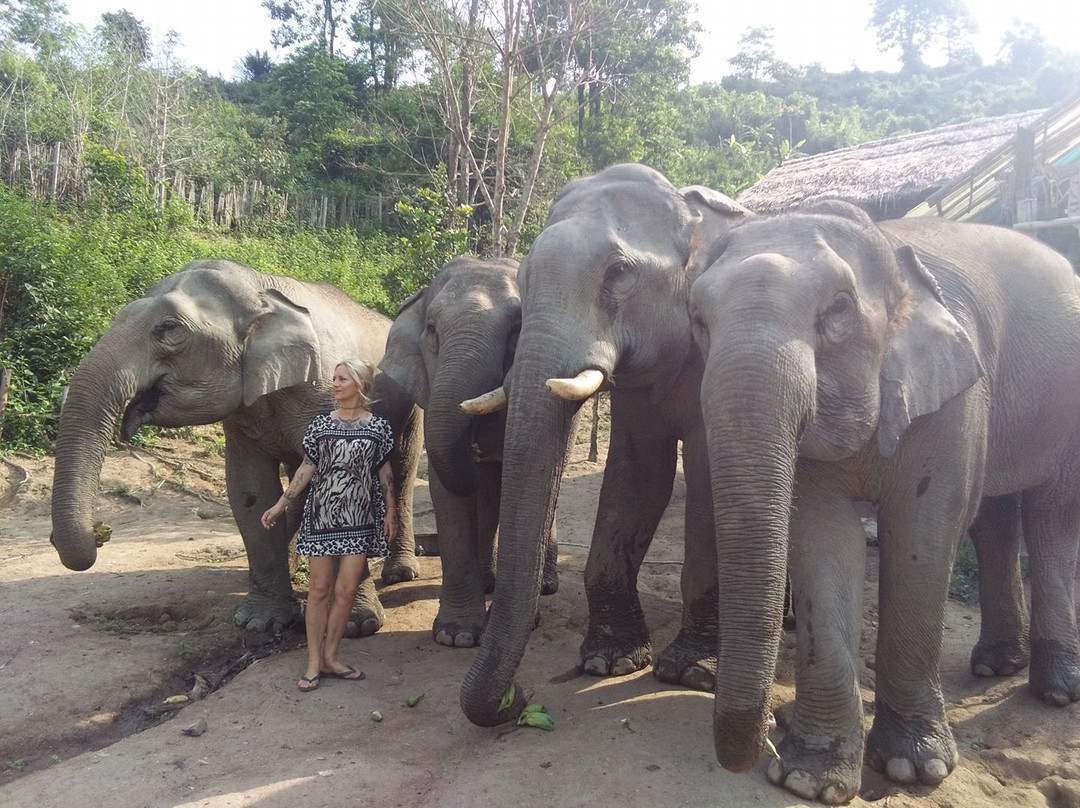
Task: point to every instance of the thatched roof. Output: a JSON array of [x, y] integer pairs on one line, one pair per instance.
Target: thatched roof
[[886, 177]]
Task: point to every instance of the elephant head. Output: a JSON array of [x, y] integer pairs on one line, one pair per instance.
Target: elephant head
[[604, 302], [200, 345], [822, 339], [450, 342]]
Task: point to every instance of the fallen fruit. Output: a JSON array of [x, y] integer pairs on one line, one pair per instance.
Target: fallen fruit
[[508, 697], [413, 700], [376, 716], [537, 719]]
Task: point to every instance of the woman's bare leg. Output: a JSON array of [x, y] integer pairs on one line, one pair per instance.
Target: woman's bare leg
[[350, 571], [320, 583]]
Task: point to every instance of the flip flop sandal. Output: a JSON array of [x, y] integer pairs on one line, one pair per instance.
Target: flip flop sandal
[[349, 675], [313, 683]]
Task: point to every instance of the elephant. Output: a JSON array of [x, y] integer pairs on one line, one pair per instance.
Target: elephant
[[451, 342], [924, 366], [219, 341], [604, 294]]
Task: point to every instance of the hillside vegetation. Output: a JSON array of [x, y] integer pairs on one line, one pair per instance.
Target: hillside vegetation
[[393, 136]]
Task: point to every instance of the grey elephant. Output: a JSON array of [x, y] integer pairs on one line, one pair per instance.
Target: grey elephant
[[604, 304], [218, 341], [917, 364], [451, 342]]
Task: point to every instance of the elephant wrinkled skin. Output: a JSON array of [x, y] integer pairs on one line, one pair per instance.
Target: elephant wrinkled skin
[[604, 288], [218, 341], [917, 364], [452, 341]]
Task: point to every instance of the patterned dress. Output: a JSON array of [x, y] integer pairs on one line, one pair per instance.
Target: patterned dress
[[344, 511]]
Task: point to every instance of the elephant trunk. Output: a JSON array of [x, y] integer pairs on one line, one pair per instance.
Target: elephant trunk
[[448, 432], [754, 409], [98, 392], [539, 429]]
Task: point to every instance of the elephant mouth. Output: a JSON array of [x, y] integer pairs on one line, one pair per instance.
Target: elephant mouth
[[140, 410]]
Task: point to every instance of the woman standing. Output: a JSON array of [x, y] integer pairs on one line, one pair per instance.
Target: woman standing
[[350, 513]]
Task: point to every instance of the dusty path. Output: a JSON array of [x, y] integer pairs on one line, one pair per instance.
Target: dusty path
[[81, 653]]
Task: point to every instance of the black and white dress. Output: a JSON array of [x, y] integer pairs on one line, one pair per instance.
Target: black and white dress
[[344, 511]]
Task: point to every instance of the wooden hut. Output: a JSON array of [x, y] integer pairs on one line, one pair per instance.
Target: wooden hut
[[1020, 170]]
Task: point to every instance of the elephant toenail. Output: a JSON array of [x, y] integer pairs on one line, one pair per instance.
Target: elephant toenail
[[802, 784], [900, 770], [775, 772], [834, 795], [622, 667], [935, 772], [464, 640], [596, 666], [443, 637]]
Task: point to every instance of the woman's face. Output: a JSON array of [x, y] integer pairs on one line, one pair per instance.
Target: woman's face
[[346, 390]]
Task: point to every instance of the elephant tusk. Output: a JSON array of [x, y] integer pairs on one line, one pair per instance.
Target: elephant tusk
[[486, 404], [578, 388]]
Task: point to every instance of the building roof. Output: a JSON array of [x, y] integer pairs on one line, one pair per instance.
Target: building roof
[[891, 176]]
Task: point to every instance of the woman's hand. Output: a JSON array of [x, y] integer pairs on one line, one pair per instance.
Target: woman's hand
[[389, 526], [272, 514]]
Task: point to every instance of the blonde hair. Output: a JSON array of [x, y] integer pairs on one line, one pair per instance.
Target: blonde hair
[[362, 372]]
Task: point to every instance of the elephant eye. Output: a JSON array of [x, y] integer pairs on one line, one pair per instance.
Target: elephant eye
[[167, 330], [838, 320], [620, 278], [431, 337]]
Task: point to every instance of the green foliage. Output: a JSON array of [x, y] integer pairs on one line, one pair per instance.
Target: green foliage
[[436, 231]]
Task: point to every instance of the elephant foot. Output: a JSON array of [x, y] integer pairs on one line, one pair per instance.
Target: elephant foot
[[604, 654], [914, 750], [265, 613], [1001, 658], [397, 569], [689, 661], [458, 631], [366, 618], [830, 772], [1055, 672]]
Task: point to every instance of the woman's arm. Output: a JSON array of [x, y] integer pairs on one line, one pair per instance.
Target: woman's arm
[[296, 486]]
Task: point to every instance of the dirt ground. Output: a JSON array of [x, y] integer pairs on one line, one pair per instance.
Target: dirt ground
[[88, 659]]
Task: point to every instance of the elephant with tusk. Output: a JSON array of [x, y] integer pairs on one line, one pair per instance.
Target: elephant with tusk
[[218, 341], [450, 341], [604, 306]]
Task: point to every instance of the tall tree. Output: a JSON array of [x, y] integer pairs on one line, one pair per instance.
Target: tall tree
[[305, 22], [913, 25], [125, 36], [756, 56], [382, 50], [42, 24]]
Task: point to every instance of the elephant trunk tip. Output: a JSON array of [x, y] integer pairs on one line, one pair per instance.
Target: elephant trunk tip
[[739, 741], [79, 558], [481, 712]]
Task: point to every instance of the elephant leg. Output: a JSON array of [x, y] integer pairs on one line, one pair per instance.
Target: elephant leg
[[929, 505], [821, 754], [1051, 530], [401, 565], [690, 659], [461, 618], [637, 485], [1003, 647], [489, 496], [253, 483], [367, 614]]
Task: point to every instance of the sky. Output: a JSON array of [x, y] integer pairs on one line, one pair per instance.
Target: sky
[[216, 34]]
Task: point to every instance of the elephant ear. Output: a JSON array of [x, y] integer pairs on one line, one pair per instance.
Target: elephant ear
[[930, 358], [281, 348], [403, 361], [714, 215]]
